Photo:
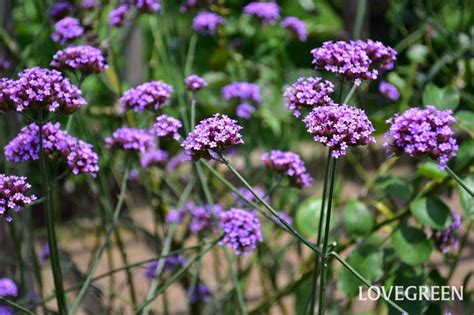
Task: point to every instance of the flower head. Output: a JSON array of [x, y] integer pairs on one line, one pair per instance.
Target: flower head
[[60, 10], [241, 230], [67, 30], [194, 4], [117, 16], [155, 157], [38, 88], [446, 239], [131, 139], [207, 23], [8, 288], [423, 132], [244, 110], [195, 83], [249, 196], [166, 126], [171, 263], [288, 164], [199, 293], [214, 134], [88, 4], [308, 92], [267, 12], [389, 91], [243, 91], [148, 6], [86, 59], [296, 26], [13, 197], [202, 219], [150, 95], [355, 60], [6, 86], [339, 127]]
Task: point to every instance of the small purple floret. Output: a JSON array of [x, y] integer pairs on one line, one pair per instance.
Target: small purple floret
[[308, 93], [87, 59], [13, 196], [150, 95], [195, 83], [207, 23], [389, 91], [131, 139], [296, 26], [67, 30], [288, 164], [166, 126], [241, 230]]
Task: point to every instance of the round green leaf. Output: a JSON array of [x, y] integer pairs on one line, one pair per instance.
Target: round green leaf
[[307, 217], [394, 186], [432, 212], [431, 170], [357, 218], [411, 245], [442, 98], [467, 200]]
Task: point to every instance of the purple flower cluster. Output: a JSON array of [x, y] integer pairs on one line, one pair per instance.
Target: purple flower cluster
[[241, 230], [87, 59], [60, 10], [150, 95], [117, 16], [296, 26], [202, 218], [446, 239], [4, 64], [67, 30], [148, 6], [339, 127], [171, 263], [7, 310], [177, 216], [308, 92], [249, 196], [195, 83], [211, 135], [199, 293], [194, 4], [288, 164], [78, 155], [355, 60], [6, 86], [207, 23], [243, 91], [8, 288], [88, 4], [166, 126], [244, 110], [267, 12], [423, 132], [38, 88], [389, 91], [285, 217], [13, 196], [154, 158], [131, 139]]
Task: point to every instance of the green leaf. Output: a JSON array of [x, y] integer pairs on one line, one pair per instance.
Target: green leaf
[[368, 261], [307, 217], [466, 200], [394, 186], [465, 119], [431, 170], [442, 98], [432, 212], [357, 218], [465, 153], [411, 245], [405, 277]]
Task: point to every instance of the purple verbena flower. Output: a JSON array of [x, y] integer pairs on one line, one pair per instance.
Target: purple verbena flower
[[13, 195], [446, 239], [60, 10], [150, 95], [155, 157], [241, 230], [244, 110], [249, 196], [207, 23], [242, 91], [389, 91], [423, 132], [195, 83], [171, 263], [308, 92], [175, 161], [4, 64], [296, 26], [177, 216], [38, 88], [381, 57], [8, 288], [194, 4], [88, 4], [199, 293], [117, 16], [202, 219], [267, 12], [288, 164], [285, 217], [6, 310], [148, 6], [339, 127], [166, 126], [87, 59], [131, 139], [6, 86], [67, 30], [214, 134], [81, 157]]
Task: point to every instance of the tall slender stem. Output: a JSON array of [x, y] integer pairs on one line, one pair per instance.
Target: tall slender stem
[[50, 228], [324, 258], [193, 111], [460, 181]]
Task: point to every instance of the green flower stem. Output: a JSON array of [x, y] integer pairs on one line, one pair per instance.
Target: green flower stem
[[16, 306], [50, 228], [193, 111], [312, 297], [177, 276], [460, 181], [363, 280], [324, 258], [113, 225]]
